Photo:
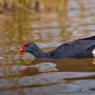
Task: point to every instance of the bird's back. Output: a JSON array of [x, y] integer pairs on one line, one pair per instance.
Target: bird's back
[[81, 47]]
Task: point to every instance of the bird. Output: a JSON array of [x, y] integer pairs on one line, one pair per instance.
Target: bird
[[80, 48]]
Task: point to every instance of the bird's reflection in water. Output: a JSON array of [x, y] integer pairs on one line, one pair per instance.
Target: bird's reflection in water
[[45, 67], [71, 73], [63, 65], [40, 66]]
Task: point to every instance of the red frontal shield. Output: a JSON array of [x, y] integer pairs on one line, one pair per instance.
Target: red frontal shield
[[21, 49]]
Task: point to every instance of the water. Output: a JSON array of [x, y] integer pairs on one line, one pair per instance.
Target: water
[[48, 77], [26, 75]]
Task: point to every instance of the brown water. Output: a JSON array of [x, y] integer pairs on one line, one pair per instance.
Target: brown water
[[26, 75], [48, 77]]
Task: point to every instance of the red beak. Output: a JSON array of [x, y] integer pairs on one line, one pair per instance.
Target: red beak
[[21, 49]]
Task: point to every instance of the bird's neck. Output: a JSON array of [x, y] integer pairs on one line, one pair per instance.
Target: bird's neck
[[38, 53]]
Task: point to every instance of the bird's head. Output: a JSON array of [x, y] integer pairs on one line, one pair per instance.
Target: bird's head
[[26, 47]]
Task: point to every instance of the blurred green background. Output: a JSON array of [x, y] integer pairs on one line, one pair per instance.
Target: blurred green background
[[49, 23]]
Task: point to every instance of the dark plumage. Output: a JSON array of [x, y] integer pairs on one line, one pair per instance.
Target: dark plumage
[[81, 48]]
